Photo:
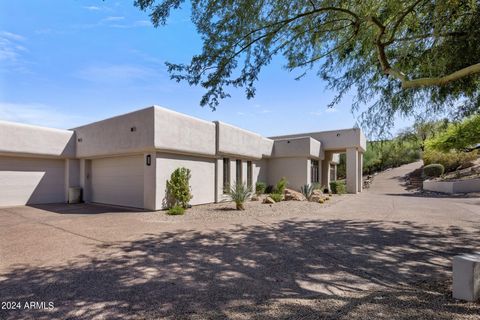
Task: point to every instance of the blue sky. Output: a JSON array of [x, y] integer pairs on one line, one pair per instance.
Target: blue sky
[[64, 63]]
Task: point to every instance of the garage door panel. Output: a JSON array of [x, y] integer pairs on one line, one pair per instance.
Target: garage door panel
[[31, 181], [118, 180]]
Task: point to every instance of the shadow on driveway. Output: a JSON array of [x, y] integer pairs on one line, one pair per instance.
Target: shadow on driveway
[[338, 269]]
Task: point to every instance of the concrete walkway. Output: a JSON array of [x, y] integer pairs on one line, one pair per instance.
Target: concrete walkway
[[382, 254]]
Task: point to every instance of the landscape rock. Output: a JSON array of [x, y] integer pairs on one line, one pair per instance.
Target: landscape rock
[[268, 200], [294, 195], [316, 197]]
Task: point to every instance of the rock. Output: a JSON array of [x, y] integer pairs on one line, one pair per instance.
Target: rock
[[268, 200], [317, 192], [255, 198], [316, 198], [294, 195]]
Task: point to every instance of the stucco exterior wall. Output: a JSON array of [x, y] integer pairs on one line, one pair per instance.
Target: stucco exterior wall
[[126, 134], [22, 139], [202, 179], [461, 186], [31, 181], [295, 170], [233, 141], [176, 132], [335, 139], [297, 147]]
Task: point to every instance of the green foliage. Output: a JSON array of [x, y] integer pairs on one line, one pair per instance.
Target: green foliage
[[178, 188], [450, 160], [457, 136], [280, 186], [176, 210], [373, 48], [277, 197], [260, 188], [239, 194], [307, 190], [433, 170], [338, 187]]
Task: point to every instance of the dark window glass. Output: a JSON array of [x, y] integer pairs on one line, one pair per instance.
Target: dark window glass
[[226, 175], [314, 171], [239, 172], [249, 174]]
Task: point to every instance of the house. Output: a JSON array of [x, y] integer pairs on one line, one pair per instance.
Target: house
[[126, 160]]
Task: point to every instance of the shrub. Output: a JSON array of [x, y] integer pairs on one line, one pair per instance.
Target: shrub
[[260, 188], [433, 170], [280, 186], [277, 197], [457, 136], [178, 188], [338, 187], [269, 189], [307, 190], [239, 194], [449, 160], [176, 210]]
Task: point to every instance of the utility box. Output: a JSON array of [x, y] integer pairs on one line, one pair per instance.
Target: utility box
[[74, 195], [466, 277]]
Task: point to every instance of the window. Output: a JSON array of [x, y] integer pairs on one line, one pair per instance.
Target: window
[[314, 171], [249, 174], [226, 175], [239, 172]]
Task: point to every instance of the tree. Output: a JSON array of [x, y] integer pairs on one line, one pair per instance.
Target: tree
[[457, 136], [406, 57]]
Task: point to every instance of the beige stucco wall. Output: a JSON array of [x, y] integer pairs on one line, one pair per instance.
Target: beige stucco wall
[[335, 139], [234, 141], [31, 180], [113, 136], [22, 139], [297, 147], [295, 170], [202, 179], [461, 186], [176, 132]]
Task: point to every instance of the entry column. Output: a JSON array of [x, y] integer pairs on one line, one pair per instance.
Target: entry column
[[352, 170]]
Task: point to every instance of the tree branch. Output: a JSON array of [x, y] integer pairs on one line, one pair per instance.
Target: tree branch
[[441, 81]]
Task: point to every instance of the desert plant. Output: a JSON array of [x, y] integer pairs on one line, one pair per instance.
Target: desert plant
[[307, 190], [450, 160], [239, 194], [433, 170], [178, 188], [277, 197], [280, 186], [176, 210], [338, 187], [260, 188]]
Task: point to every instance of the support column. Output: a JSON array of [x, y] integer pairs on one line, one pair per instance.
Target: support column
[[150, 201], [352, 170], [325, 169], [360, 172]]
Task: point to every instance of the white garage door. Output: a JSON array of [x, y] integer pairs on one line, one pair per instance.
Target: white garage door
[[118, 181], [31, 181]]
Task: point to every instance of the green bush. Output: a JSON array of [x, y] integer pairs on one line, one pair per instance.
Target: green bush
[[178, 188], [307, 190], [457, 136], [277, 197], [239, 194], [449, 160], [280, 186], [176, 210], [260, 188], [433, 170], [338, 187]]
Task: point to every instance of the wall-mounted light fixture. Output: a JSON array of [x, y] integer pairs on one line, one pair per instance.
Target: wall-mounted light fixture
[[148, 160], [133, 129], [79, 139], [338, 134]]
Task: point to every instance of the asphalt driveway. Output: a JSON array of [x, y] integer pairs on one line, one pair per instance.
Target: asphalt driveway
[[385, 253]]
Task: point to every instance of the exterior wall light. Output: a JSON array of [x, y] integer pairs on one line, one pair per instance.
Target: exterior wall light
[[148, 160]]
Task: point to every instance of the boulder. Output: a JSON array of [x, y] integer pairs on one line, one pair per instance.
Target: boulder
[[268, 200], [294, 195], [316, 197], [255, 198]]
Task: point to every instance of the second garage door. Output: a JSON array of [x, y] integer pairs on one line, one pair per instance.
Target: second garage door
[[118, 181]]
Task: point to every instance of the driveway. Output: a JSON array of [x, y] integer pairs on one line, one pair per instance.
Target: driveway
[[384, 254]]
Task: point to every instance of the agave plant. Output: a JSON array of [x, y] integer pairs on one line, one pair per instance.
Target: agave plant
[[239, 194], [307, 190]]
